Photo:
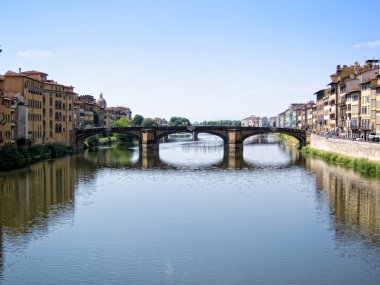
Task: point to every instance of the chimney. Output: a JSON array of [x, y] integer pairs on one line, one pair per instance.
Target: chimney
[[337, 67], [19, 70]]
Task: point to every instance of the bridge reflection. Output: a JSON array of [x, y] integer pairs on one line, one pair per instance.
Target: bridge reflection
[[191, 156], [34, 200]]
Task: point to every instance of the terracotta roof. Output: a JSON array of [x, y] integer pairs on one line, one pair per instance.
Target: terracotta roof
[[252, 117], [2, 96], [85, 102], [11, 95], [117, 108], [34, 72]]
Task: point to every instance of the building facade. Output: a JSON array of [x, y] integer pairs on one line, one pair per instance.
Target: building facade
[[42, 107]]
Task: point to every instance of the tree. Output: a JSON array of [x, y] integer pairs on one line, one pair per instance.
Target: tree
[[122, 122], [179, 121], [148, 122], [137, 120]]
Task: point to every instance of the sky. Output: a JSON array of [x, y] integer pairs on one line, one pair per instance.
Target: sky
[[204, 60]]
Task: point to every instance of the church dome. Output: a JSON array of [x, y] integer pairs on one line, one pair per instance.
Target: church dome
[[101, 102]]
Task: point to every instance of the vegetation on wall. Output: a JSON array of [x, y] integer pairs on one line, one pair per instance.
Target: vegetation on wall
[[12, 158], [288, 139], [361, 165]]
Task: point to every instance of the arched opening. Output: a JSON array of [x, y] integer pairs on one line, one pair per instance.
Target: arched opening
[[267, 149], [180, 150], [82, 135]]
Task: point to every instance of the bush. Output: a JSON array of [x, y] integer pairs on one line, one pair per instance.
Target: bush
[[12, 158], [362, 165], [93, 141]]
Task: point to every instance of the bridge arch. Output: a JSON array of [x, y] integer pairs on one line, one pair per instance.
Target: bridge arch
[[81, 135], [297, 134], [173, 131]]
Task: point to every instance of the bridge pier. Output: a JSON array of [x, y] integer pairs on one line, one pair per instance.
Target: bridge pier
[[234, 140], [149, 158], [165, 139], [195, 136], [149, 141], [234, 158]]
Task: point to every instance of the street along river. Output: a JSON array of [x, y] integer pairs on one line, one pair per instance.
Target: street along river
[[192, 214]]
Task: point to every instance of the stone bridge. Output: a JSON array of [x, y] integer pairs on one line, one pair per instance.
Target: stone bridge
[[149, 137]]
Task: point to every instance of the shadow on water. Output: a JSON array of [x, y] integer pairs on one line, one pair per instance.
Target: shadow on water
[[36, 199]]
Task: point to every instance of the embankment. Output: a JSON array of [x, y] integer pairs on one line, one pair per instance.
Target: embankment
[[361, 150]]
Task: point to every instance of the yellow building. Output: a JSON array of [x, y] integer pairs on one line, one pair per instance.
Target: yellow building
[[50, 106], [7, 121], [88, 112], [378, 107], [112, 114]]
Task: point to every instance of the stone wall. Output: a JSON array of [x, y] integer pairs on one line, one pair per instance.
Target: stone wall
[[355, 149]]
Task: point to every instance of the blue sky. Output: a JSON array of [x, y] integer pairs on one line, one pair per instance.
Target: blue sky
[[199, 59]]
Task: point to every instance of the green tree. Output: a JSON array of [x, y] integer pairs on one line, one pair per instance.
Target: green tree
[[93, 141], [179, 121], [122, 122], [148, 122], [137, 120]]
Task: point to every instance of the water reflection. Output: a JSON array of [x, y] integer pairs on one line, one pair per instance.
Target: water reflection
[[354, 202], [34, 200], [206, 153]]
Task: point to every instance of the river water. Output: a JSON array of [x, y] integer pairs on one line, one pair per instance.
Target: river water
[[192, 214]]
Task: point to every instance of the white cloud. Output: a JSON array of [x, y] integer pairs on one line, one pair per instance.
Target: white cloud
[[36, 54], [371, 44]]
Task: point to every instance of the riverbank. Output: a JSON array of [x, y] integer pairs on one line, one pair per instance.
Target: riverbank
[[355, 149], [361, 165], [13, 158], [290, 140]]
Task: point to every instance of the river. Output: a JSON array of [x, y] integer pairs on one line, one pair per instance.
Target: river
[[190, 214]]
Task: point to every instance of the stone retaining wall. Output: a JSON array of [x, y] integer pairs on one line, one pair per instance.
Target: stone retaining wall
[[370, 151]]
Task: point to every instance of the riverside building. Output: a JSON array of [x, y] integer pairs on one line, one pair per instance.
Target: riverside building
[[42, 108]]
